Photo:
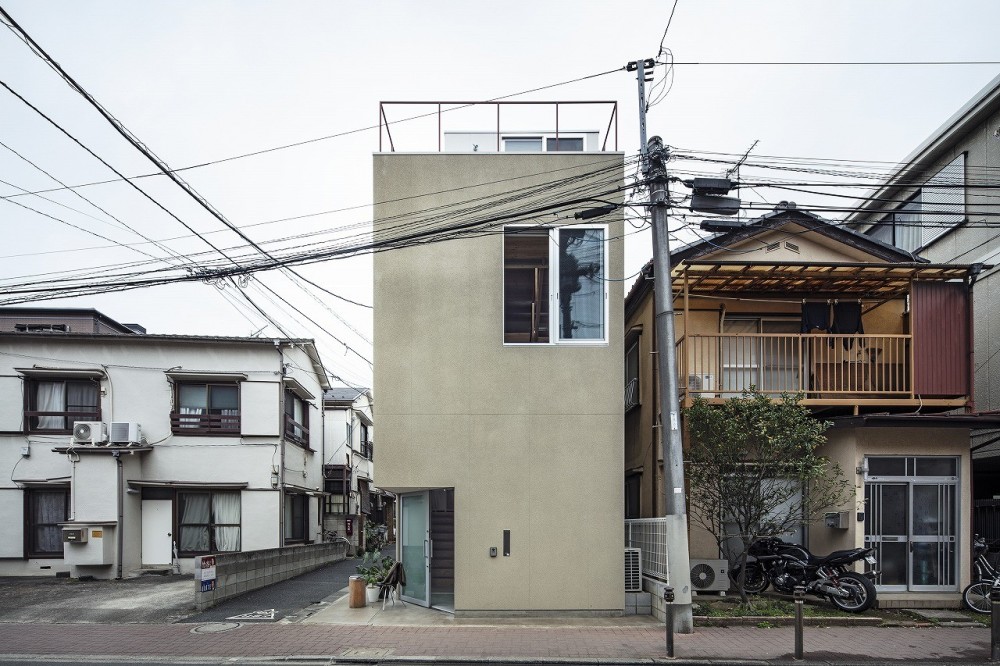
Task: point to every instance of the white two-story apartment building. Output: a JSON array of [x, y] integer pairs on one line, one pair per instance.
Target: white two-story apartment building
[[348, 470], [121, 451]]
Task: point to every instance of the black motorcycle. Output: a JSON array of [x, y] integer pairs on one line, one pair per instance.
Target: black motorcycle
[[786, 565]]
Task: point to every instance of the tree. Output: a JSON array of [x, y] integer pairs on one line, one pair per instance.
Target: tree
[[754, 470]]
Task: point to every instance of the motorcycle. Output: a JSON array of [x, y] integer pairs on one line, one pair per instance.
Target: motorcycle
[[786, 566]]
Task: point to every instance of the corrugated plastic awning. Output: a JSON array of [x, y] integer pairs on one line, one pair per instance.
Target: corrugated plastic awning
[[809, 280]]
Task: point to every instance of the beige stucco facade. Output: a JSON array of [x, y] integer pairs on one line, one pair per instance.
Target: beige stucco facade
[[529, 436]]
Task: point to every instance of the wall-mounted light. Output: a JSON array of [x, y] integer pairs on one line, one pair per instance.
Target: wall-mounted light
[[863, 467]]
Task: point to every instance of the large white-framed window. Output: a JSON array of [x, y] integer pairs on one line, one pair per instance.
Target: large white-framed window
[[555, 286]]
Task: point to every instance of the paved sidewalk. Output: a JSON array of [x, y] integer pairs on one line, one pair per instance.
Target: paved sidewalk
[[371, 643]]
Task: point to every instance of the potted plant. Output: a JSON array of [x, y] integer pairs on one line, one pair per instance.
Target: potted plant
[[374, 568]]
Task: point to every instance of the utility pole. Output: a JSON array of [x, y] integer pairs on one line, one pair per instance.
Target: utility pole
[[675, 506]]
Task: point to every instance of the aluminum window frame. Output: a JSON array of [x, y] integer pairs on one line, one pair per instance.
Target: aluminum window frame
[[553, 285]]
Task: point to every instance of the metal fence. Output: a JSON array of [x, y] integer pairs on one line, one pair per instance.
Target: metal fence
[[649, 535]]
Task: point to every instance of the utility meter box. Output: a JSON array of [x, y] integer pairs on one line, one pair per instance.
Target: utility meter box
[[74, 534], [837, 520]]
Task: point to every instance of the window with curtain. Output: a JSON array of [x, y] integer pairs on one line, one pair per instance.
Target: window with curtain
[[45, 509], [555, 280], [206, 409], [296, 517], [208, 522], [54, 405]]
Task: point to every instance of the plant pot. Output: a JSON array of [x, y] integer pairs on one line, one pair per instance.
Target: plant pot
[[372, 593]]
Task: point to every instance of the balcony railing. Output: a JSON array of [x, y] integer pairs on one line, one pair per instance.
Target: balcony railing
[[204, 424], [295, 432], [822, 366]]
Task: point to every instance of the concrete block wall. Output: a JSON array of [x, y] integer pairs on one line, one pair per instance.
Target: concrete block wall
[[638, 603], [238, 573]]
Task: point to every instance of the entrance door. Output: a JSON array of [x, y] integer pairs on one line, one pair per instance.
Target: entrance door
[[912, 521], [157, 532], [415, 546], [427, 544]]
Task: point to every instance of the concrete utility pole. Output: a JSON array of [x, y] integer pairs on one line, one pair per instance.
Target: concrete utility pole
[[678, 558]]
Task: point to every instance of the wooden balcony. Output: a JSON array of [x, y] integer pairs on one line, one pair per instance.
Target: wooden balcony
[[851, 372]]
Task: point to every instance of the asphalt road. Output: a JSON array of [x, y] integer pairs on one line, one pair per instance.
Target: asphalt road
[[162, 599], [288, 600]]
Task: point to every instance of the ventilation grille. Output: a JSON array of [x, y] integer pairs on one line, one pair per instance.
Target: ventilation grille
[[633, 570]]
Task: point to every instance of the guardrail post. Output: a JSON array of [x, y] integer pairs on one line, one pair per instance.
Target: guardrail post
[[995, 617], [668, 601], [800, 592]]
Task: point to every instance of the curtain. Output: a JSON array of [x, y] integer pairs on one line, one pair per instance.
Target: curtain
[[194, 520], [226, 512], [81, 397], [48, 510], [50, 397]]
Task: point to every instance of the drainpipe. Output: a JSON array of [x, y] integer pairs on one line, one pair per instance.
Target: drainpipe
[[120, 536], [281, 445], [974, 272]]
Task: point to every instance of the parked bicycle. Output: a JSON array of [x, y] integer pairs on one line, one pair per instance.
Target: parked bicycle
[[976, 595], [331, 536]]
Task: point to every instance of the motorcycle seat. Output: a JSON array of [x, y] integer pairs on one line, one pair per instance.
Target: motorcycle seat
[[837, 555]]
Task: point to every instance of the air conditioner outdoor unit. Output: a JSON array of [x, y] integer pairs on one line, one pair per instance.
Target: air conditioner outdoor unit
[[701, 382], [125, 432], [709, 575], [90, 432], [633, 570]]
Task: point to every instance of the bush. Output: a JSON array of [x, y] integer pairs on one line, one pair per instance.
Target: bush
[[374, 567], [375, 537]]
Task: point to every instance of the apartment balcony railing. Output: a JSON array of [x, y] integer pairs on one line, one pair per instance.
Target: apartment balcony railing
[[295, 432], [821, 366]]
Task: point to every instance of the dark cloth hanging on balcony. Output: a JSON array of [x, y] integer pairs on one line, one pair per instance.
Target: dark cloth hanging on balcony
[[847, 319], [815, 315]]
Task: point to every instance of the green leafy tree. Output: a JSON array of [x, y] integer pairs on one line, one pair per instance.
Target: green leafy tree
[[754, 470]]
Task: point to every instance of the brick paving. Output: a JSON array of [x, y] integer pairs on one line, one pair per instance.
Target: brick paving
[[482, 642]]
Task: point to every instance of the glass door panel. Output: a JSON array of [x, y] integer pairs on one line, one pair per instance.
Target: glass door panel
[[780, 358], [933, 543], [886, 530], [912, 521], [415, 547]]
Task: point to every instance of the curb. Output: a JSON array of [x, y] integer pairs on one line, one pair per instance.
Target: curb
[[785, 621]]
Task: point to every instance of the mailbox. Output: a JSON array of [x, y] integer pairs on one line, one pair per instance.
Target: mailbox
[[837, 520], [74, 535]]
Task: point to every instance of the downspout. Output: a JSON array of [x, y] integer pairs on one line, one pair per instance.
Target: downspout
[[281, 445], [119, 533], [974, 272]]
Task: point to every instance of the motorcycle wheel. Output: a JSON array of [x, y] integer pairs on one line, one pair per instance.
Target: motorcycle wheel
[[976, 597], [862, 593], [755, 581]]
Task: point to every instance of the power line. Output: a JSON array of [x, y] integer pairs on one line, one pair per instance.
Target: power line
[[841, 63]]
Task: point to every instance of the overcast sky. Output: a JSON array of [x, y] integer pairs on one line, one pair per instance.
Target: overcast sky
[[204, 81]]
